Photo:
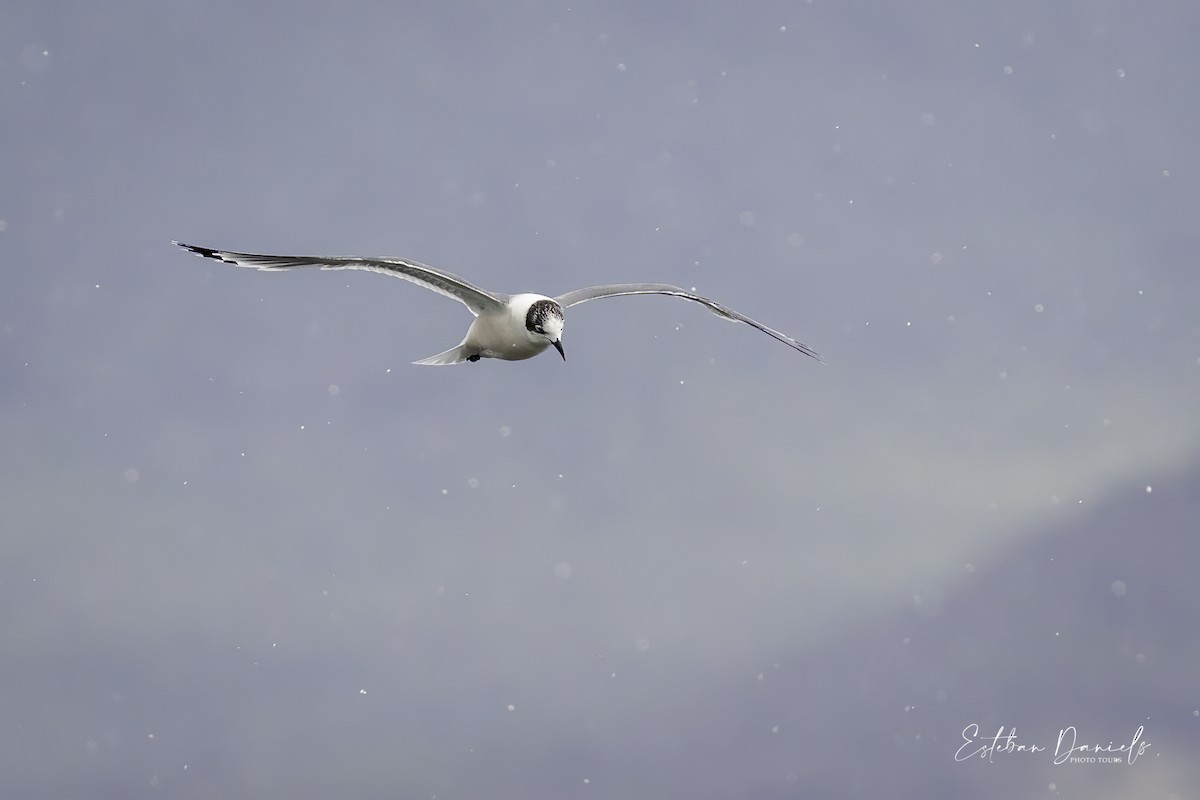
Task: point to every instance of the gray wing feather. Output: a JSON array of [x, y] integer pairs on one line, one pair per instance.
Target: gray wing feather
[[624, 289], [444, 283]]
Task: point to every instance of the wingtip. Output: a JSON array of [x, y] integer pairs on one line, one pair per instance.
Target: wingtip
[[203, 252]]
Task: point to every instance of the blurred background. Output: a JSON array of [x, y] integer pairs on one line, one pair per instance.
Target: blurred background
[[248, 550]]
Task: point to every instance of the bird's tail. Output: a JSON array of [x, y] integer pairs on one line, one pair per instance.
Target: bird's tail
[[454, 355]]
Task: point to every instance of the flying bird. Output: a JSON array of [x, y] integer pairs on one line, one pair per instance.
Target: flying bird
[[511, 327]]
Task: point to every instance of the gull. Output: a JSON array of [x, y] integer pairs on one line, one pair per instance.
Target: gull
[[511, 327]]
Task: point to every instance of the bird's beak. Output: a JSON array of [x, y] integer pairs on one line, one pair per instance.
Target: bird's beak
[[558, 346]]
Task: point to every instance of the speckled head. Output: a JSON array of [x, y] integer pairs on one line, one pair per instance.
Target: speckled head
[[545, 318]]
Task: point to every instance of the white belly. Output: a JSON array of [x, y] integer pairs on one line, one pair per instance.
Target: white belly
[[503, 336]]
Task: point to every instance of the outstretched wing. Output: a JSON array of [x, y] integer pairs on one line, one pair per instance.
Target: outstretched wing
[[623, 289], [444, 283]]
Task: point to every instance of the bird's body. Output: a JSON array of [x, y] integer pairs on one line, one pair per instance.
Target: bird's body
[[508, 327], [500, 333]]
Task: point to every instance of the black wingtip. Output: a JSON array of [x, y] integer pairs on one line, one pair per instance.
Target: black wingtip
[[206, 252]]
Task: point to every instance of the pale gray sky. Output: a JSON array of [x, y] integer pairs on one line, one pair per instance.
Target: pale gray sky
[[248, 550]]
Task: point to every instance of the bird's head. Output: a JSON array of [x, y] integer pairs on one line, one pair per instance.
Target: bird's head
[[544, 320]]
